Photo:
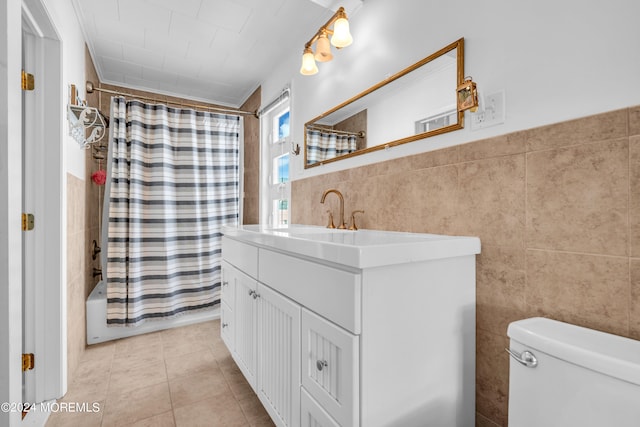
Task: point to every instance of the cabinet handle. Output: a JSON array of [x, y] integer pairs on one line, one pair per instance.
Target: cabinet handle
[[321, 364], [224, 325], [252, 292], [225, 283], [256, 295]]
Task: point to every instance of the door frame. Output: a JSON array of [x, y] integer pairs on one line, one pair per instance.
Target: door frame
[[46, 196], [10, 206]]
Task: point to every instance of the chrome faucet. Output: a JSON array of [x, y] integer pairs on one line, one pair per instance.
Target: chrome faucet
[[341, 224]]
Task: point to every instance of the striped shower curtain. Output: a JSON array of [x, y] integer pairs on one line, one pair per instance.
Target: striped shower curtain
[[174, 181], [323, 145]]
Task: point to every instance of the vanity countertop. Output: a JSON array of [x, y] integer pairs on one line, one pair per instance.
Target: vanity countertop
[[358, 249]]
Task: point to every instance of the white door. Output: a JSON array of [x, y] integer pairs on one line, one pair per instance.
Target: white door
[[28, 206]]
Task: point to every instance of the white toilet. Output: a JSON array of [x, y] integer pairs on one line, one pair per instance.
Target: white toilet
[[564, 375]]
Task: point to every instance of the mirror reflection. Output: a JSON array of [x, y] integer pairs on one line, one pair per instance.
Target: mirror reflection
[[414, 103]]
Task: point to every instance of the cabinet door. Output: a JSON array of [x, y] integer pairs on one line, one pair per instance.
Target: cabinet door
[[226, 326], [330, 360], [227, 297], [227, 290], [245, 326], [312, 413], [279, 356]]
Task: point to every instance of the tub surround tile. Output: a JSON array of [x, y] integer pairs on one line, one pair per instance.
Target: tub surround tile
[[587, 290], [578, 198]]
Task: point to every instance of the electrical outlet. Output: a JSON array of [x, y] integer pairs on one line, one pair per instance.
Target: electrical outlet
[[490, 113]]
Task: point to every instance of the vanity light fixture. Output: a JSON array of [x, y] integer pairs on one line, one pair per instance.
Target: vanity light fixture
[[340, 37]]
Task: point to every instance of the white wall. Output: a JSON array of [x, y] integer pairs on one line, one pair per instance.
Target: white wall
[[64, 19], [556, 60]]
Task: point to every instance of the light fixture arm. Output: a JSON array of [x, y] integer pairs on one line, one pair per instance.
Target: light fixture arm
[[340, 13]]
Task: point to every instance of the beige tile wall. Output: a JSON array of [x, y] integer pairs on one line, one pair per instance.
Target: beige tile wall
[[557, 209], [76, 267], [251, 213]]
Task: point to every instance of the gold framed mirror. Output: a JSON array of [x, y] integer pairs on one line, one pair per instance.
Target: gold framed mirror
[[415, 103]]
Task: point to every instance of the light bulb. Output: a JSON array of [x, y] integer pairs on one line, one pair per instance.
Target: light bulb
[[341, 35], [309, 66], [323, 48]]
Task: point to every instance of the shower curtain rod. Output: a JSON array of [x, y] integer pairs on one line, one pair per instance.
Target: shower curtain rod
[[90, 88], [360, 134]]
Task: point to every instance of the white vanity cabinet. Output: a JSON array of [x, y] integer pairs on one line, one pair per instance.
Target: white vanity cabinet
[[353, 329], [261, 328]]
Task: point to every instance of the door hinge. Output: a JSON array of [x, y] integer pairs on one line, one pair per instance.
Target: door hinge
[[28, 82], [28, 362], [28, 222]]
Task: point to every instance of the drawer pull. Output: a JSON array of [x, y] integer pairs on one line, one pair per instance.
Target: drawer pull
[[321, 364], [224, 325], [256, 295], [252, 292], [225, 283]]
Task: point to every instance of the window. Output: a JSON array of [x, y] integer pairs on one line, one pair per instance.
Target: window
[[437, 121], [275, 186]]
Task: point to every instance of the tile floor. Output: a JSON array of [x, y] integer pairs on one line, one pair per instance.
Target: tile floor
[[183, 377]]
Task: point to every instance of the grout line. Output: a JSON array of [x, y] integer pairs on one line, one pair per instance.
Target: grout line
[[595, 254]]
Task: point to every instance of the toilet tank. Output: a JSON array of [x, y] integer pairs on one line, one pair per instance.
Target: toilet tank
[[580, 377]]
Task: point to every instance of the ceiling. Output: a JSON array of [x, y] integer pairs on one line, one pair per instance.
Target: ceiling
[[215, 51]]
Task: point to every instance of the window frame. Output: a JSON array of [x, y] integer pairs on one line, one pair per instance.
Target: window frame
[[272, 148]]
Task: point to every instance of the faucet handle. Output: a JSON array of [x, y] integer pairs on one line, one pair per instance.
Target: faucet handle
[[353, 219], [330, 225]]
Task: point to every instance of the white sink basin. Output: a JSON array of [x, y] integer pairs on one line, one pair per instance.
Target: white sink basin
[[359, 249]]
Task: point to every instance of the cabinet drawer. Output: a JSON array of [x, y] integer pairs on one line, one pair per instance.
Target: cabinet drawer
[[226, 326], [228, 288], [312, 414], [241, 255], [330, 357], [332, 293]]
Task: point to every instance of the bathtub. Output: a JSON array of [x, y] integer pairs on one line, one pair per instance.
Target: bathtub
[[98, 331]]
